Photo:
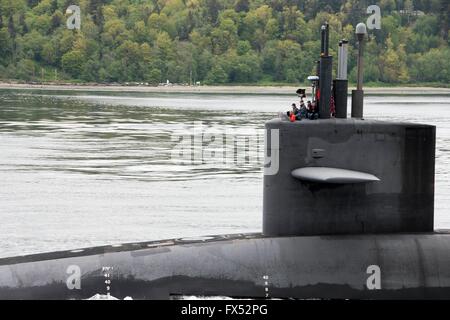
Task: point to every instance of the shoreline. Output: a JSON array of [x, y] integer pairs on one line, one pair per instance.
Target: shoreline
[[238, 89]]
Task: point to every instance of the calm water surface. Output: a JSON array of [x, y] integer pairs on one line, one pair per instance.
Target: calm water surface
[[91, 168]]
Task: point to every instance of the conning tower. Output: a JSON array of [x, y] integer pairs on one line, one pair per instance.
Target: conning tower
[[347, 176]]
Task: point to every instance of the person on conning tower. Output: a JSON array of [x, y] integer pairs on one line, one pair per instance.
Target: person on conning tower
[[293, 114], [301, 93], [303, 112]]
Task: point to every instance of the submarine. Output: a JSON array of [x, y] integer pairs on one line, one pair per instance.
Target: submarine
[[348, 209]]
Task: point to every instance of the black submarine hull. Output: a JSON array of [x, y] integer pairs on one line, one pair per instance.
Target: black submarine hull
[[408, 266]]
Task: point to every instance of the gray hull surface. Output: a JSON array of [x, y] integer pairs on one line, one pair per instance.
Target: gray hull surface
[[410, 266]]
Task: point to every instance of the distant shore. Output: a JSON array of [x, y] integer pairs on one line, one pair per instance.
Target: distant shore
[[238, 89]]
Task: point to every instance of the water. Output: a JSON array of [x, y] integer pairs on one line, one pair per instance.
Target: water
[[90, 168]]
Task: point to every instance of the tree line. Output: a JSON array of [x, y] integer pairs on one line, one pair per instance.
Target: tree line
[[218, 41]]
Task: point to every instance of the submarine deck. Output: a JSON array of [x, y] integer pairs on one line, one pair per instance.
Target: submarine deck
[[134, 246]]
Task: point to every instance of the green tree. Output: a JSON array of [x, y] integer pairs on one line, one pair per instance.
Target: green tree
[[6, 46], [432, 66], [216, 75], [72, 63], [153, 76], [25, 69], [393, 64]]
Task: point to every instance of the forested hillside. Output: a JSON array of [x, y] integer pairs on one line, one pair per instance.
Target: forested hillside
[[217, 41]]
